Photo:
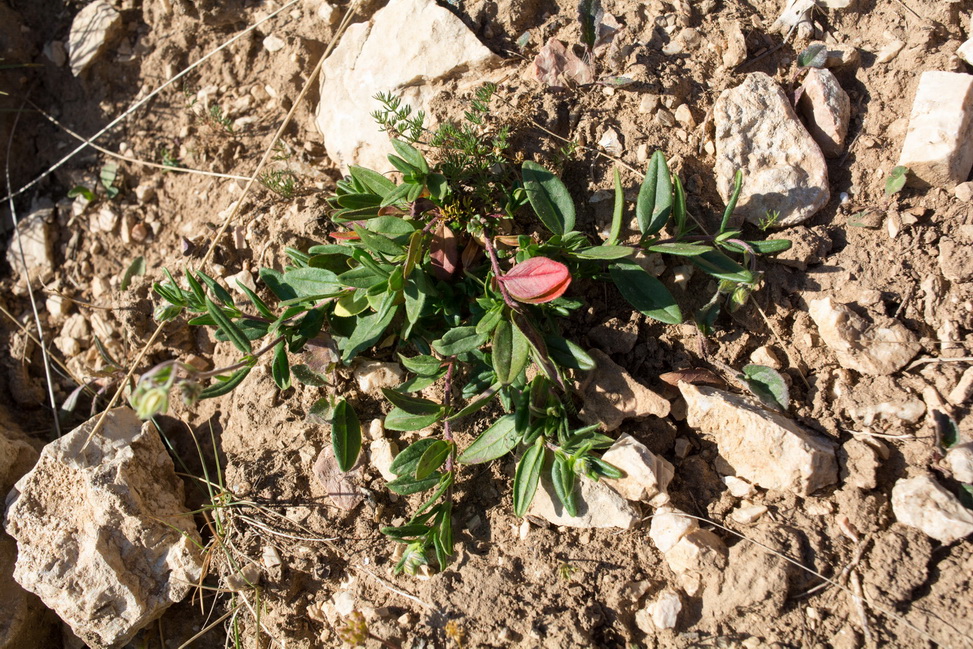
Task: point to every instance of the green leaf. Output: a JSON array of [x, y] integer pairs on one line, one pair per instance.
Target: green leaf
[[459, 340], [679, 212], [345, 435], [260, 305], [230, 328], [221, 293], [137, 267], [225, 385], [568, 354], [732, 205], [81, 190], [477, 403], [815, 56], [678, 248], [768, 384], [406, 485], [528, 476], [307, 376], [406, 532], [720, 266], [654, 204], [564, 480], [312, 282], [510, 351], [423, 365], [590, 15], [378, 243], [489, 320], [108, 175], [644, 292], [496, 441], [280, 369], [373, 180], [410, 404], [766, 247], [619, 210], [369, 330], [274, 279], [605, 252], [433, 458], [416, 292], [549, 197], [414, 252], [405, 463], [411, 155], [362, 277], [896, 180], [399, 419]]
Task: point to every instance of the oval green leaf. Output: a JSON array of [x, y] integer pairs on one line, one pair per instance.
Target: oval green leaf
[[644, 292], [345, 435], [432, 458], [496, 441], [527, 478], [549, 197]]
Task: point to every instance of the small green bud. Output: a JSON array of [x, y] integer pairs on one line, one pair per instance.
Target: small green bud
[[166, 312], [150, 402]]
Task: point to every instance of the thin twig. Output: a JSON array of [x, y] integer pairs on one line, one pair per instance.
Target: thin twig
[[428, 607]]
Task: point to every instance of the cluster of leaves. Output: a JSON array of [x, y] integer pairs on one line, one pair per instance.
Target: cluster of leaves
[[421, 266]]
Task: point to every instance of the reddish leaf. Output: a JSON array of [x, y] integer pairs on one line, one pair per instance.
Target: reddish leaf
[[443, 252], [537, 280], [694, 376], [345, 236]]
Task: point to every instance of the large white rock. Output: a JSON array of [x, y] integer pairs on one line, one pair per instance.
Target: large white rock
[[598, 506], [103, 534], [878, 348], [959, 459], [826, 109], [92, 31], [611, 395], [764, 447], [783, 168], [646, 474], [938, 146], [922, 503], [369, 59]]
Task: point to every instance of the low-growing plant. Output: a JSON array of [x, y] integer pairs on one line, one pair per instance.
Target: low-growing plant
[[423, 267]]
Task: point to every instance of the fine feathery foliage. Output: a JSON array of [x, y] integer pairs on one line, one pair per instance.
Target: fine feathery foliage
[[421, 266]]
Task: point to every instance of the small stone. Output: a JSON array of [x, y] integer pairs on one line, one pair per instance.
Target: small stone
[[960, 394], [668, 527], [92, 544], [34, 234], [611, 142], [954, 262], [959, 459], [877, 349], [736, 45], [922, 503], [382, 452], [748, 514], [765, 355], [938, 148], [696, 552], [271, 557], [92, 31], [665, 609], [106, 219], [965, 51], [682, 446], [56, 53], [763, 447], [737, 487], [341, 485], [376, 429], [785, 170], [58, 305], [964, 192], [648, 103], [145, 192], [372, 376], [646, 475], [611, 395], [244, 277], [599, 506], [842, 56], [889, 51], [343, 602], [274, 43], [827, 110]]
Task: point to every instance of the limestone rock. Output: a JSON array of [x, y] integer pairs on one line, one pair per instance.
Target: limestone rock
[[663, 611], [372, 376], [876, 349], [598, 506], [826, 108], [697, 552], [381, 453], [646, 475], [938, 147], [92, 31], [368, 61], [34, 234], [763, 447], [758, 132], [103, 534], [960, 462], [611, 395], [669, 526], [922, 503], [736, 46]]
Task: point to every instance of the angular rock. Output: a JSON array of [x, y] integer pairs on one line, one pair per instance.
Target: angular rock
[[965, 51], [103, 534], [368, 61], [598, 506], [938, 147], [646, 475], [372, 376], [611, 395], [876, 349], [669, 526], [954, 262], [922, 503], [758, 132], [736, 45], [698, 551], [614, 337], [381, 453], [826, 109], [34, 234], [763, 447], [663, 611], [341, 486], [92, 31]]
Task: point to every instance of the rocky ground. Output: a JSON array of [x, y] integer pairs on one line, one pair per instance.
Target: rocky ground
[[835, 524]]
